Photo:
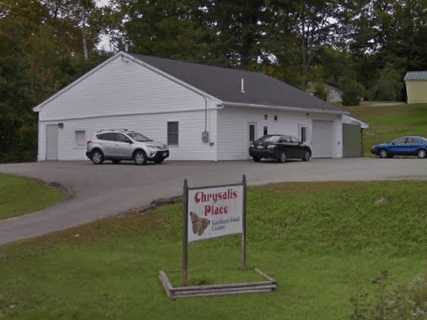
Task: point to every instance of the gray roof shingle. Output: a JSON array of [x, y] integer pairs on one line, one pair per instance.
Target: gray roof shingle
[[416, 75], [225, 84]]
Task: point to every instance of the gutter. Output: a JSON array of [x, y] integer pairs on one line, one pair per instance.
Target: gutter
[[263, 106]]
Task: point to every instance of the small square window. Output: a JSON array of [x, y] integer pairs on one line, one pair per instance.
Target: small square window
[[275, 118], [266, 117], [80, 138], [265, 130]]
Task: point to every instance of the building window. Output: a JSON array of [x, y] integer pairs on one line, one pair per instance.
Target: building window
[[275, 118], [252, 129], [173, 133], [265, 130], [303, 134], [80, 138], [266, 117]]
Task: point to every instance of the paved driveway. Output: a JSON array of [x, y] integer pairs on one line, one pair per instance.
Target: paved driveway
[[105, 190]]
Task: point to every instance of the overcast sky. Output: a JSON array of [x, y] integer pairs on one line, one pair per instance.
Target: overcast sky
[[105, 43], [102, 2]]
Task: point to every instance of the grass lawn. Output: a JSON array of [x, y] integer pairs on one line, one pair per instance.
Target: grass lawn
[[323, 242], [389, 122], [20, 195]]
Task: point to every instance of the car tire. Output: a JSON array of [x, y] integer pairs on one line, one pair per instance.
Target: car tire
[[307, 156], [97, 157], [116, 161], [421, 154], [256, 159], [139, 157], [383, 154], [282, 157]]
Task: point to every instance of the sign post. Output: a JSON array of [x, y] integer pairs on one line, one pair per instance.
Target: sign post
[[243, 240], [185, 236]]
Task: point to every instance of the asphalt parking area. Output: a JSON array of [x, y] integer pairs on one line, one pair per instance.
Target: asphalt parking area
[[104, 190]]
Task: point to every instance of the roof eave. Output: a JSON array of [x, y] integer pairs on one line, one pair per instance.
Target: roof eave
[[288, 108]]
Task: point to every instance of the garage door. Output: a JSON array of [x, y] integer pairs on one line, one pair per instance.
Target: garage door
[[352, 140], [322, 138]]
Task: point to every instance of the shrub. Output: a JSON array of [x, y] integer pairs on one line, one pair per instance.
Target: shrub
[[353, 92], [404, 302], [320, 91]]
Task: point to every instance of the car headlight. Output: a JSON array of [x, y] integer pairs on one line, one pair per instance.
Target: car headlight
[[150, 146], [271, 146], [252, 145]]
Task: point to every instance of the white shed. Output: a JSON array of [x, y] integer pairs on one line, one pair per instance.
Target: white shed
[[163, 97]]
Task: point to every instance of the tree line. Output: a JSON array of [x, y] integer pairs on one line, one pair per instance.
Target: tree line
[[363, 47]]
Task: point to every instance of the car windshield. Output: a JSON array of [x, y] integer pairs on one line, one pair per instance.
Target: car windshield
[[420, 140], [271, 139], [138, 137]]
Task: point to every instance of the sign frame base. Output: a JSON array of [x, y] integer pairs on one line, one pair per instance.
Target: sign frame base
[[266, 286]]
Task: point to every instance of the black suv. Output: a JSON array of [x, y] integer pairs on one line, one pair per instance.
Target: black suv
[[279, 147]]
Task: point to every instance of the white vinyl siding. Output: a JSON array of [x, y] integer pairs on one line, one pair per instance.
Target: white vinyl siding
[[191, 126], [233, 128], [122, 87], [125, 94]]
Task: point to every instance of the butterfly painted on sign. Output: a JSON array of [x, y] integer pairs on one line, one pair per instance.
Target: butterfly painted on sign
[[199, 224]]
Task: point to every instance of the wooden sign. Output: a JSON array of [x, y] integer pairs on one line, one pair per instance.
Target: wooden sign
[[212, 212]]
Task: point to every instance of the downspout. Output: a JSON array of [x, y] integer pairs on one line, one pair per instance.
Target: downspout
[[206, 113]]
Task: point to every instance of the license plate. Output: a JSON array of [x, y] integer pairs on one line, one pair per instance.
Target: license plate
[[260, 147], [165, 153]]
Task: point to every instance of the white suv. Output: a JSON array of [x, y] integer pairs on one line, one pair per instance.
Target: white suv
[[122, 144]]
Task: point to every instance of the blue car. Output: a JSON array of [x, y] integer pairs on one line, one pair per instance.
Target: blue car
[[404, 146]]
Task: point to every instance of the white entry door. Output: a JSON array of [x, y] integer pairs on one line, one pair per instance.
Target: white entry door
[[322, 141], [52, 142]]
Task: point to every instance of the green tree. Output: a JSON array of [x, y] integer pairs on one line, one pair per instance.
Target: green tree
[[353, 91], [40, 52], [389, 85], [164, 28]]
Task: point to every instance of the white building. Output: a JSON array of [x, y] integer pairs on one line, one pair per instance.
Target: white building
[[202, 112]]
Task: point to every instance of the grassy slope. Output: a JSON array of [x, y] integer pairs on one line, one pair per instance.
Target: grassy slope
[[387, 123], [23, 195], [322, 241]]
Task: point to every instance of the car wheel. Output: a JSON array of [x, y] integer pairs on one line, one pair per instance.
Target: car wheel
[[282, 157], [383, 154], [307, 156], [116, 161], [97, 157], [256, 159], [421, 154], [139, 157]]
